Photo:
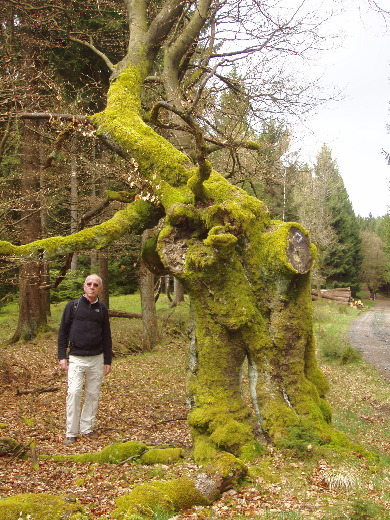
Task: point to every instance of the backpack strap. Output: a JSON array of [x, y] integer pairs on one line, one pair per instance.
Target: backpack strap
[[74, 309]]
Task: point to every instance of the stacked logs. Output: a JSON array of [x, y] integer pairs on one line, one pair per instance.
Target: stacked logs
[[341, 295]]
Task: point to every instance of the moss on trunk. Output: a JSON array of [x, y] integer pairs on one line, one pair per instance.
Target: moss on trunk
[[248, 278]]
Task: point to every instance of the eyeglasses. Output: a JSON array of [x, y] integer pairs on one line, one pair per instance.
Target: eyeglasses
[[90, 283]]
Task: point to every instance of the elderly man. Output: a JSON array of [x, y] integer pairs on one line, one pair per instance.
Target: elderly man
[[84, 332]]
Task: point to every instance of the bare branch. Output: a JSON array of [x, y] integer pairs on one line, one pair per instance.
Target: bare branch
[[183, 42], [92, 47]]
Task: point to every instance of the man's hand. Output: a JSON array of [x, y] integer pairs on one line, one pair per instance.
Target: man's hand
[[107, 369], [63, 364]]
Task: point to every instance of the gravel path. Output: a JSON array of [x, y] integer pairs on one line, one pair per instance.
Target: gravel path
[[370, 333]]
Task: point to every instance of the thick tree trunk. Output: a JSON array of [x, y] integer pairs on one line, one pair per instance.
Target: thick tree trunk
[[32, 302], [248, 279], [250, 303], [32, 274], [249, 282]]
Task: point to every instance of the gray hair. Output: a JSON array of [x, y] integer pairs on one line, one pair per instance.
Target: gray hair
[[97, 276]]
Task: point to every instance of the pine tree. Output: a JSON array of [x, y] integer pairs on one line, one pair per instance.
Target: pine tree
[[343, 258]]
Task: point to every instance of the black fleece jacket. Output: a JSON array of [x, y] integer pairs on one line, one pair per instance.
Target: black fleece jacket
[[85, 330]]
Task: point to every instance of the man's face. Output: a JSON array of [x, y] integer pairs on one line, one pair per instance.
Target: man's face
[[92, 287]]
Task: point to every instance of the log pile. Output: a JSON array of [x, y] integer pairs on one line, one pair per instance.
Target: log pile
[[340, 295]]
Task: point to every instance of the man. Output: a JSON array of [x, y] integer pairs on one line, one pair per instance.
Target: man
[[85, 331]]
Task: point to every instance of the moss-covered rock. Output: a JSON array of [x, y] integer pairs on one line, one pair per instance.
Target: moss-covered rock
[[161, 456], [10, 446], [40, 507], [162, 496], [144, 501]]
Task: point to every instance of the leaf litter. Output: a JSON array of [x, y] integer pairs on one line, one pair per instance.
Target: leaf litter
[[144, 399]]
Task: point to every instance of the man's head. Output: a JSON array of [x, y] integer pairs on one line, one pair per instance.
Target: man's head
[[92, 287]]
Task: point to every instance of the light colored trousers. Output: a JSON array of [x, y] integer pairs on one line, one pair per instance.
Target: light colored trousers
[[88, 369]]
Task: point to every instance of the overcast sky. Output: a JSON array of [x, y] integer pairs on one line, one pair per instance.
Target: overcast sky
[[355, 128]]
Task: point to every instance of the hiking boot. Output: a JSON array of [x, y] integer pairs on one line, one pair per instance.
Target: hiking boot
[[69, 441], [90, 435]]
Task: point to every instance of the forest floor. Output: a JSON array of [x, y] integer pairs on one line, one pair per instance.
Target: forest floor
[[144, 399]]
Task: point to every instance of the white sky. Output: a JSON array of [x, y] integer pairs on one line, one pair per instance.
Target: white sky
[[355, 127]]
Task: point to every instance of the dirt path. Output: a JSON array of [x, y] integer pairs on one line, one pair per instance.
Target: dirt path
[[370, 333]]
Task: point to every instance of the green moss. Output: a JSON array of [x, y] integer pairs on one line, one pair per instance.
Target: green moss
[[133, 450], [275, 245], [203, 448], [223, 426], [264, 470], [161, 456], [112, 454], [252, 450], [219, 240], [121, 119], [223, 472], [227, 467], [184, 215], [163, 496], [135, 218], [230, 434], [196, 182], [40, 507], [151, 257]]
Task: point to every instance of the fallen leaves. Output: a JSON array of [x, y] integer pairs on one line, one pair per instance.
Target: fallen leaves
[[144, 399]]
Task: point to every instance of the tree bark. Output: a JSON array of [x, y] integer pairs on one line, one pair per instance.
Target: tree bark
[[151, 335], [74, 199], [178, 293], [32, 274], [103, 273]]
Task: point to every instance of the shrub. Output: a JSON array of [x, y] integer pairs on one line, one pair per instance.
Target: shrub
[[338, 349]]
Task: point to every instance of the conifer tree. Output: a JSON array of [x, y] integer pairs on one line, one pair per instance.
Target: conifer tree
[[343, 258]]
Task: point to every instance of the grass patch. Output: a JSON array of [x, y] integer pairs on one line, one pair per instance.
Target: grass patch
[[331, 322]]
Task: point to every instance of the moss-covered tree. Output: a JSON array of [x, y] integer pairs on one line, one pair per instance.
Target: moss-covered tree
[[248, 277]]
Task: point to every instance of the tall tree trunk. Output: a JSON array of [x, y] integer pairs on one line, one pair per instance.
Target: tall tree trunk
[[44, 227], [178, 293], [252, 304], [248, 278], [151, 335], [103, 273], [74, 219], [32, 274], [32, 302]]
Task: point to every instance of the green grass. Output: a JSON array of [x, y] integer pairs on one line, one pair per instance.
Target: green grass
[[127, 333], [331, 329]]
